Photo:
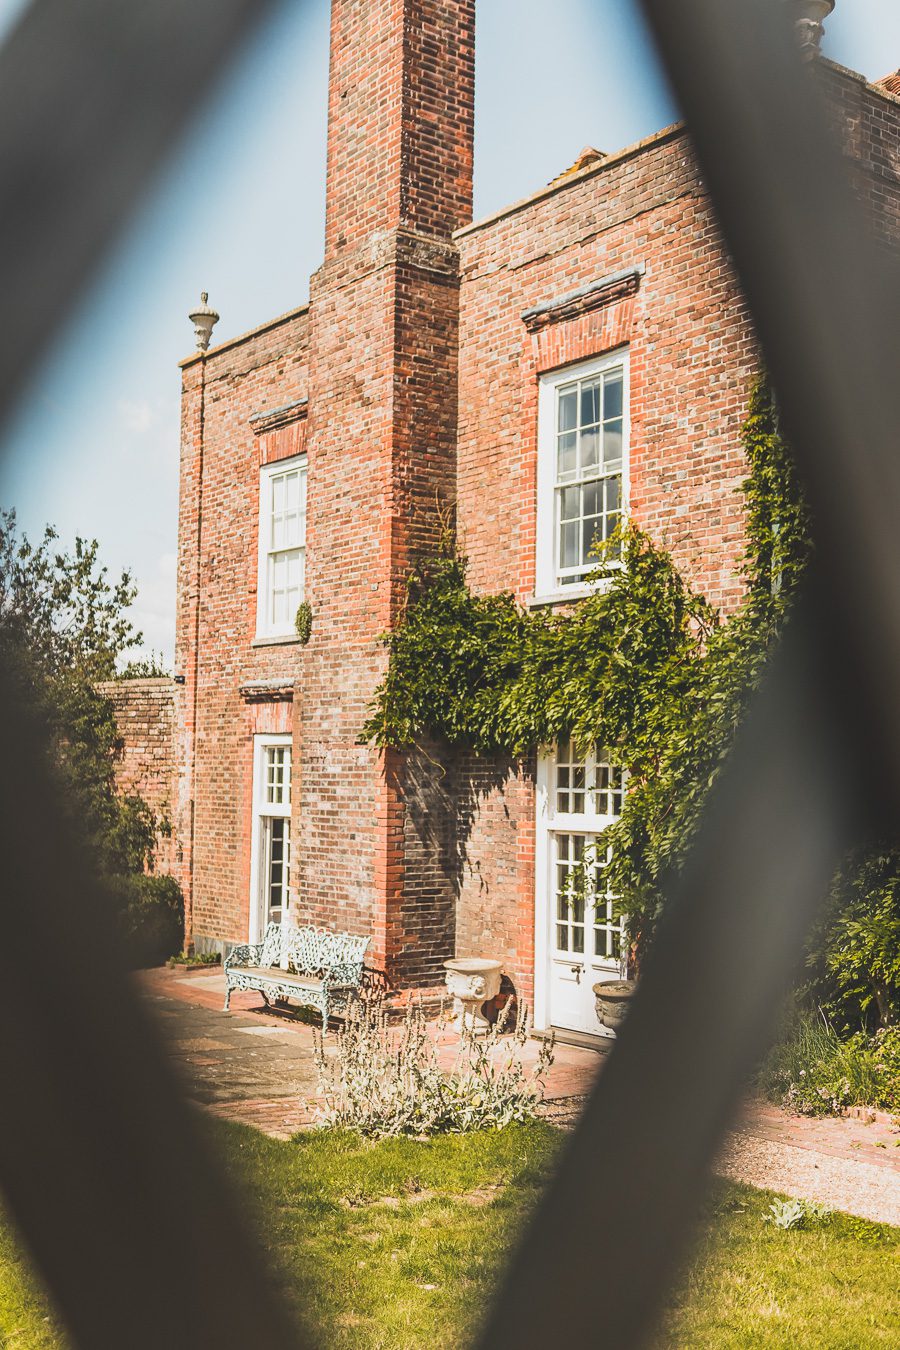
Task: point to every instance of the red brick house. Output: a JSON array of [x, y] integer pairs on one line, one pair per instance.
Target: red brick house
[[584, 350]]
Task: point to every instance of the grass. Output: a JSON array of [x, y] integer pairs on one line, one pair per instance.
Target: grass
[[399, 1243]]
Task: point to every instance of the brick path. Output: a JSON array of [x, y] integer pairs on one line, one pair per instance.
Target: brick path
[[255, 1066]]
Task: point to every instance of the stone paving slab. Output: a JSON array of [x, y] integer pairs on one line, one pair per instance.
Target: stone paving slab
[[254, 1065]]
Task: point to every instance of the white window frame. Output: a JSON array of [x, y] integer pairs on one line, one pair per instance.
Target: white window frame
[[265, 627], [264, 811], [548, 585], [551, 822]]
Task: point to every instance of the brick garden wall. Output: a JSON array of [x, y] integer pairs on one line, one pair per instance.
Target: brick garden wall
[[146, 717]]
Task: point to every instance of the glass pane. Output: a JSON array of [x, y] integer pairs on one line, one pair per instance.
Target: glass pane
[[590, 448], [577, 939], [570, 503], [569, 552], [590, 403], [590, 533], [613, 493], [278, 494], [567, 455], [562, 938], [568, 409], [612, 442], [591, 496], [291, 531], [612, 395]]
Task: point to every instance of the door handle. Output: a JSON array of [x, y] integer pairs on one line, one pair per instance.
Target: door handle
[[576, 971]]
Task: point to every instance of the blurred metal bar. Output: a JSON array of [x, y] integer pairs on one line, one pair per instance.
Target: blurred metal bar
[[134, 1227], [821, 750], [92, 95]]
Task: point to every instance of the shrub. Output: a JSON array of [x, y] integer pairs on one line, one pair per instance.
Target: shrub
[[386, 1080], [150, 914], [813, 1071]]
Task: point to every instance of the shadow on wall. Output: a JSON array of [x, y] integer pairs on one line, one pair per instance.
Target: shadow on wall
[[444, 792]]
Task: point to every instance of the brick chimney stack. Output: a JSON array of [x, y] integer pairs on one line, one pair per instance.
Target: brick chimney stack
[[384, 318], [400, 118]]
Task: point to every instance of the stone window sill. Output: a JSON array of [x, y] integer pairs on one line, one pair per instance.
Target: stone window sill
[[275, 641], [565, 595]]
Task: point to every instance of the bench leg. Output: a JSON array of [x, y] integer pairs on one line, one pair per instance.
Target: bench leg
[[227, 997]]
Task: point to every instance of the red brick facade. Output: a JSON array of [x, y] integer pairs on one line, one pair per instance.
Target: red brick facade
[[411, 384]]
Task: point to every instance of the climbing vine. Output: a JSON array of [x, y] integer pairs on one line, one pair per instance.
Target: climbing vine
[[643, 666], [649, 670]]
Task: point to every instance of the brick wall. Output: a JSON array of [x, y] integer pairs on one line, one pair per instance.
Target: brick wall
[[382, 437], [692, 356], [146, 717], [231, 425], [422, 386]]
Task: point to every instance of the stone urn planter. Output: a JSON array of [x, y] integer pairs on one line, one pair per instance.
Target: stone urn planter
[[613, 998], [473, 981]]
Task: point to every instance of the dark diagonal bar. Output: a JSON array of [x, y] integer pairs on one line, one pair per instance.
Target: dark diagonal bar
[[135, 1229], [824, 732]]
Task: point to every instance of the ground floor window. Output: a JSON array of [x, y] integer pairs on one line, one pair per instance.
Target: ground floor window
[[580, 936], [270, 895]]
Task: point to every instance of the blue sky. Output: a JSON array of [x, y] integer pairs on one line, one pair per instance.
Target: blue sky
[[93, 448]]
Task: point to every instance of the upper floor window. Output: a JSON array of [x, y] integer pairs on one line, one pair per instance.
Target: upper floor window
[[582, 467], [282, 546]]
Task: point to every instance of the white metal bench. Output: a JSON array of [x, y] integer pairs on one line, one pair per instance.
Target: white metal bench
[[313, 966]]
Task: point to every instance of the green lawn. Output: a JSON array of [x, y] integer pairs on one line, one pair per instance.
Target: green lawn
[[397, 1244]]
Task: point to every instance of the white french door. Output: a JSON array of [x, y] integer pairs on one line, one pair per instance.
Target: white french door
[[270, 860], [580, 938]]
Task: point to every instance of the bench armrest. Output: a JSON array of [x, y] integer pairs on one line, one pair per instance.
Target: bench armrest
[[247, 954]]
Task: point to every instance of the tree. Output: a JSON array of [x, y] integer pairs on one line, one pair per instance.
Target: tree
[[63, 627]]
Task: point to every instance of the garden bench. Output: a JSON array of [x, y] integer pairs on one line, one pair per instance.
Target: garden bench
[[313, 966]]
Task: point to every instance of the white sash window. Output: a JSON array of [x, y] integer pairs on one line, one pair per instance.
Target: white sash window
[[582, 469], [282, 546]]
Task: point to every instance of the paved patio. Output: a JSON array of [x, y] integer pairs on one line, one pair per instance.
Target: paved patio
[[255, 1066]]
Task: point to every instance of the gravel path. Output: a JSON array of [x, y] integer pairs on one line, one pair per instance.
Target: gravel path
[[848, 1184]]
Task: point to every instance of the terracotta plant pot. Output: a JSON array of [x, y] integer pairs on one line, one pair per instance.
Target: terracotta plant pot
[[613, 998]]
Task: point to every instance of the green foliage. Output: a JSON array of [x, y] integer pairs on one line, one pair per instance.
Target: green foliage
[[642, 666], [152, 667], [793, 1214], [856, 952], [385, 1080], [648, 670], [812, 1070], [150, 916], [303, 621], [64, 627]]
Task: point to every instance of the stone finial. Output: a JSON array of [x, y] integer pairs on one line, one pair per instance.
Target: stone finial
[[204, 320], [809, 18]]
